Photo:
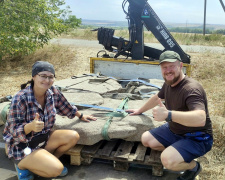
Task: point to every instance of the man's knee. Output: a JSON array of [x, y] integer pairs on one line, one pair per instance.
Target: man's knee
[[167, 162], [146, 139], [171, 158]]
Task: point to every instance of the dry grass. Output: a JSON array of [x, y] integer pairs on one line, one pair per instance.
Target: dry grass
[[17, 71], [208, 69]]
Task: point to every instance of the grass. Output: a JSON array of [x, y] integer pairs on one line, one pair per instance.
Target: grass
[[87, 34], [17, 71], [208, 68]]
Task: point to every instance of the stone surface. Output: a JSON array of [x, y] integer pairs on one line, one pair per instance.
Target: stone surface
[[2, 115], [84, 98], [106, 92], [87, 84], [129, 128]]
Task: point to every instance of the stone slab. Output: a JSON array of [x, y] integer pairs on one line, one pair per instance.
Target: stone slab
[[87, 84], [2, 106], [129, 128]]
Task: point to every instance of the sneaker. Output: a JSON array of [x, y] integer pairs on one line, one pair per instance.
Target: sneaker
[[64, 172], [190, 175], [24, 174]]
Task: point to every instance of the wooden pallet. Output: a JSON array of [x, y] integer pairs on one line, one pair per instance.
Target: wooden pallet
[[122, 153]]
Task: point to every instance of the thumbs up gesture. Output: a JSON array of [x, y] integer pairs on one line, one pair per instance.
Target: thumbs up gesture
[[37, 124], [160, 112]]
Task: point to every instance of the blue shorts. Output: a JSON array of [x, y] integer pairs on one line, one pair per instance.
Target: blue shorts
[[188, 148]]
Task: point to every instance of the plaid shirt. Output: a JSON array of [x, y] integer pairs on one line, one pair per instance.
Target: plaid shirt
[[23, 108]]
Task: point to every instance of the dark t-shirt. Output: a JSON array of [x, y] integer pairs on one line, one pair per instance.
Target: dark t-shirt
[[188, 95]]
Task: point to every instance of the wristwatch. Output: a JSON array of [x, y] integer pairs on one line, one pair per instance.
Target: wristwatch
[[169, 117]]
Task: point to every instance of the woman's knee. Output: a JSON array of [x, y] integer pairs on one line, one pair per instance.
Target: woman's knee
[[47, 165], [54, 171], [57, 171], [74, 137]]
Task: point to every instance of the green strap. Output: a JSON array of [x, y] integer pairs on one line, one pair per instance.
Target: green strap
[[105, 128], [122, 106]]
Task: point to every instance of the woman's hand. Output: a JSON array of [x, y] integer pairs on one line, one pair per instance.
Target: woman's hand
[[87, 118], [37, 125]]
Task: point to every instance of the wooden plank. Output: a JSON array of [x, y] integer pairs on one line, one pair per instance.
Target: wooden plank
[[87, 160], [154, 156], [91, 150], [140, 152], [75, 157], [121, 152], [121, 166], [75, 160], [107, 149], [75, 150], [157, 170], [124, 150]]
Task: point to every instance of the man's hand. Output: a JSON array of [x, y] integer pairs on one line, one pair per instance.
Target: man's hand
[[160, 112], [37, 125], [133, 112]]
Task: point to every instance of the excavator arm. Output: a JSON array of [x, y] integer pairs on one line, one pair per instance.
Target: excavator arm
[[140, 14]]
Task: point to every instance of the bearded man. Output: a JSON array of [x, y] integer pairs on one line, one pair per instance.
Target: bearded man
[[187, 131]]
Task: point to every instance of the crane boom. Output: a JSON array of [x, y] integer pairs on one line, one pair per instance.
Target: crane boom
[[140, 14]]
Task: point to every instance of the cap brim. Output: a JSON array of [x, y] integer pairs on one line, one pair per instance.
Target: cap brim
[[169, 60]]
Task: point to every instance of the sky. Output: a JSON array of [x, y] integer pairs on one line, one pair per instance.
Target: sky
[[169, 11]]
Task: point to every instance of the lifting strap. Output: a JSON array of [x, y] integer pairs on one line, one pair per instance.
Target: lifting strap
[[137, 80], [122, 107], [97, 107], [141, 81]]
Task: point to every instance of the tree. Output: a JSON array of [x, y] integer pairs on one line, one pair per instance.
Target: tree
[[72, 21], [29, 24]]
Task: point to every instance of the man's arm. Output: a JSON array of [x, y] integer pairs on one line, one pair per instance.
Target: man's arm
[[151, 103], [194, 118]]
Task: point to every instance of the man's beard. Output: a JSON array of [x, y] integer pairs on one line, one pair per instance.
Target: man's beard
[[171, 82]]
